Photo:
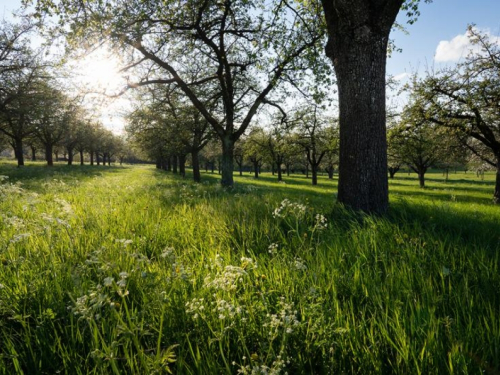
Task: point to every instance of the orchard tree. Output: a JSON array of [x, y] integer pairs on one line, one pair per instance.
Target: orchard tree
[[239, 50], [358, 37], [317, 137], [419, 143], [466, 98]]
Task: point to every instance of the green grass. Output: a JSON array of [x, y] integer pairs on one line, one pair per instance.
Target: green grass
[[133, 270]]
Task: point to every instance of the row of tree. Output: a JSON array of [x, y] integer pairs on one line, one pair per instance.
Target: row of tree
[[37, 112], [453, 116]]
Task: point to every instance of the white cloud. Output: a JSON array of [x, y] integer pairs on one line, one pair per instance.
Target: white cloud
[[459, 47], [401, 76]]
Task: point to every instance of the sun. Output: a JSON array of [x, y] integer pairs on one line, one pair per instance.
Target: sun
[[98, 71]]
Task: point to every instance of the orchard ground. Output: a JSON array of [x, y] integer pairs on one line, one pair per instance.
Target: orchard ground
[[134, 270]]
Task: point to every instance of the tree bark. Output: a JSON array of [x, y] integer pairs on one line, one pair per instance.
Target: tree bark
[[195, 161], [256, 169], [358, 35], [182, 165], [421, 179], [48, 154], [174, 164], [280, 174], [314, 173], [70, 157], [81, 158], [227, 165], [330, 172], [496, 195], [91, 157], [18, 151], [287, 169], [33, 153]]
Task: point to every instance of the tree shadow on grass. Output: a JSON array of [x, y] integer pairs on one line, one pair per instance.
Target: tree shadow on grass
[[476, 227], [32, 174]]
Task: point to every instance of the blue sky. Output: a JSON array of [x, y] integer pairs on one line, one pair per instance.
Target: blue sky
[[442, 23], [441, 20]]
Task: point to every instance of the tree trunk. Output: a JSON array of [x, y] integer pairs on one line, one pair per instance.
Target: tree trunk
[[330, 172], [314, 173], [358, 35], [496, 195], [91, 157], [70, 157], [56, 153], [256, 169], [48, 154], [174, 164], [272, 169], [18, 151], [421, 179], [97, 158], [227, 161], [212, 165], [287, 169], [195, 161], [280, 174], [33, 153], [81, 157], [182, 165], [307, 170]]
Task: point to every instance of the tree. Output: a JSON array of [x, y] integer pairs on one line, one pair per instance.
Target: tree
[[239, 51], [466, 98], [419, 143], [254, 149], [358, 36], [316, 136], [52, 118]]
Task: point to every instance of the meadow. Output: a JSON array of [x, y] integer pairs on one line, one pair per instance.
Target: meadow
[[132, 270]]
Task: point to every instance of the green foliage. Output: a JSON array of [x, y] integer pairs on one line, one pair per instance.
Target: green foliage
[[129, 270]]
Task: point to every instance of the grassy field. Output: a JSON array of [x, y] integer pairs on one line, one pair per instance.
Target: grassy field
[[133, 270]]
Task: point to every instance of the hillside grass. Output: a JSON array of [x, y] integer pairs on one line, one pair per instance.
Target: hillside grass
[[134, 270]]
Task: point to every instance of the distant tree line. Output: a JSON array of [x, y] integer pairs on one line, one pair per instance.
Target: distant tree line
[[38, 117]]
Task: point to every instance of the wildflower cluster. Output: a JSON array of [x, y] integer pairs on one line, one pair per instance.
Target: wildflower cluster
[[299, 264], [289, 208], [277, 367], [272, 249], [286, 319], [226, 280], [320, 222]]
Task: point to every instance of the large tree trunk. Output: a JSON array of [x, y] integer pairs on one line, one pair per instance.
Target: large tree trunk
[[91, 157], [48, 154], [227, 161], [280, 174], [287, 169], [81, 157], [358, 35], [33, 153], [18, 151], [195, 161]]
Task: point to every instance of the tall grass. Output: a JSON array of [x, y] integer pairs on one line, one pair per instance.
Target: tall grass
[[132, 270]]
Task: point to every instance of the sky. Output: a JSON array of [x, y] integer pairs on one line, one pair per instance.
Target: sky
[[437, 39]]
